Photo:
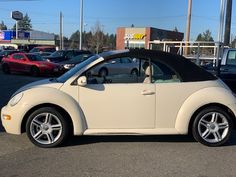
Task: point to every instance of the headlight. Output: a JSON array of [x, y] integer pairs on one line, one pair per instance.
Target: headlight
[[68, 66], [16, 99]]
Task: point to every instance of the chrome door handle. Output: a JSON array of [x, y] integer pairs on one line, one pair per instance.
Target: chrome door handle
[[147, 92]]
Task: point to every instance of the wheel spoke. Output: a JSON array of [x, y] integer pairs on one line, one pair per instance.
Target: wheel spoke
[[56, 127], [50, 137], [223, 125], [206, 133], [217, 136], [204, 123], [214, 117], [48, 118], [36, 123], [38, 134]]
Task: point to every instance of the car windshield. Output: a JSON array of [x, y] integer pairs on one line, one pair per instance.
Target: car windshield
[[80, 58], [2, 53], [35, 57], [58, 54], [78, 67], [5, 53], [34, 50]]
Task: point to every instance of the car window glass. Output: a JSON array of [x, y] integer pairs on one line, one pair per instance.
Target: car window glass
[[70, 54], [125, 60], [34, 50], [49, 50], [114, 61], [112, 72], [18, 57], [163, 74], [35, 57], [80, 58], [231, 57], [58, 54]]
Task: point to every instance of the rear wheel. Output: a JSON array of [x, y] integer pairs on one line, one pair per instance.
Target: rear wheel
[[46, 127], [212, 126], [134, 72], [6, 68], [34, 71]]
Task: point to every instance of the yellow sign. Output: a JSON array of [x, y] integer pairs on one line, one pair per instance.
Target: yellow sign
[[136, 36], [139, 36]]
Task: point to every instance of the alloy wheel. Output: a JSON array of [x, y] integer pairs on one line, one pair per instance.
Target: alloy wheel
[[46, 128], [213, 127]]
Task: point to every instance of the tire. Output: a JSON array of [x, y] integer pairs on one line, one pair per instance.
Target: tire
[[103, 72], [34, 71], [6, 69], [47, 128], [212, 126], [134, 72]]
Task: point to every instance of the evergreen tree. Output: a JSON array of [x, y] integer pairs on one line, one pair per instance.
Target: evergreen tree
[[205, 36], [3, 26], [24, 24]]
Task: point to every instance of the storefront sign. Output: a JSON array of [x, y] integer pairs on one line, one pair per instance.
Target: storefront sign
[[135, 36], [16, 15]]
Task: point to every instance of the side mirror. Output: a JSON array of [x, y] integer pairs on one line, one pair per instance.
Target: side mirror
[[82, 81]]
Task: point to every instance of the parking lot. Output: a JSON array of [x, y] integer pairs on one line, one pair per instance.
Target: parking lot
[[110, 155]]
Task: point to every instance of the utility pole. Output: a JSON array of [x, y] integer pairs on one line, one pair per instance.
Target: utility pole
[[188, 27], [61, 33], [220, 36], [228, 23], [81, 24], [16, 29]]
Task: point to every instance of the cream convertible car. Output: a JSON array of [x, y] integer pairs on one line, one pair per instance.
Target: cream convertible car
[[169, 95]]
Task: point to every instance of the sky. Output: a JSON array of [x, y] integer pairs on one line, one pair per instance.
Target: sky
[[163, 14]]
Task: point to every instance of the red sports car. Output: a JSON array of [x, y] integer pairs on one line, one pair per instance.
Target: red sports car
[[28, 63]]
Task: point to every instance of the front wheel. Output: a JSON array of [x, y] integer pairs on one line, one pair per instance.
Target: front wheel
[[134, 72], [34, 71], [212, 126], [46, 127], [6, 69]]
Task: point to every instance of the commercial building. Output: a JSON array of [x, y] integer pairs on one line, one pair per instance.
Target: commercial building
[[140, 37], [26, 38]]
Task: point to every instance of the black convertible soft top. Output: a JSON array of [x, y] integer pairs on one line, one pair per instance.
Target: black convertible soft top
[[187, 70]]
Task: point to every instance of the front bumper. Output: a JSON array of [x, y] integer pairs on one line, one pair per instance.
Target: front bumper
[[13, 125]]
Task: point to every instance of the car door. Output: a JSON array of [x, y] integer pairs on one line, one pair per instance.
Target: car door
[[18, 63], [228, 71], [128, 65], [119, 101]]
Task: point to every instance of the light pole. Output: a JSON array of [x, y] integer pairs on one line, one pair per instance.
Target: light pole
[[228, 23], [81, 24], [220, 35]]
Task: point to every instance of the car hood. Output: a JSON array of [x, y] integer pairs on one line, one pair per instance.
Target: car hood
[[69, 62], [51, 83], [46, 63]]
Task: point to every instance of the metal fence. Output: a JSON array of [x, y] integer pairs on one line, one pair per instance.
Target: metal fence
[[200, 52]]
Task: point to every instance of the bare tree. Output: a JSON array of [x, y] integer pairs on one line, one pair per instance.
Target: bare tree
[[97, 39]]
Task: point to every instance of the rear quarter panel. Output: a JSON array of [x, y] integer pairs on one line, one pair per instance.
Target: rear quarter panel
[[202, 97]]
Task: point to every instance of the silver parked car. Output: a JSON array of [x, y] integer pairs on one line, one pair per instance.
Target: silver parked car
[[126, 64]]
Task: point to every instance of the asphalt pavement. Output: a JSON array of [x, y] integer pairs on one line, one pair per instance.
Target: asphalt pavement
[[108, 156]]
